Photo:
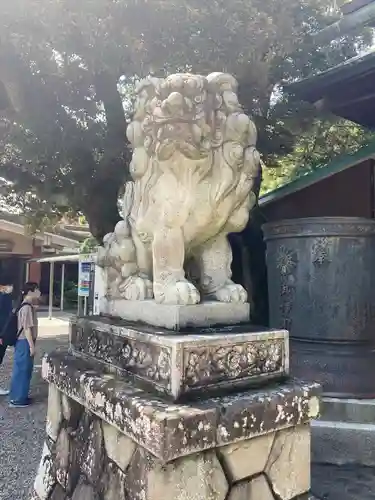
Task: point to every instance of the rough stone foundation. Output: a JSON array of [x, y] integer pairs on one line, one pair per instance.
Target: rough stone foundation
[[107, 440]]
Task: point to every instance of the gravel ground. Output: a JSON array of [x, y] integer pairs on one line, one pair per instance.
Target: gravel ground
[[22, 433]]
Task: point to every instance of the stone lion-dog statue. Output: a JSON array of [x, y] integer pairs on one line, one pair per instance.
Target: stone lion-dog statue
[[193, 168]]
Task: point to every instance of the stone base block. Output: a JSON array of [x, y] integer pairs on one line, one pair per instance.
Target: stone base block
[[361, 411], [110, 441], [345, 434], [176, 317], [342, 443], [188, 364]]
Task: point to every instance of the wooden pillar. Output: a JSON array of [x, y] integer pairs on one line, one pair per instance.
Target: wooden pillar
[[62, 292], [51, 280]]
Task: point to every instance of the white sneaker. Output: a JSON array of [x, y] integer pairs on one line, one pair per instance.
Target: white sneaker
[[4, 392]]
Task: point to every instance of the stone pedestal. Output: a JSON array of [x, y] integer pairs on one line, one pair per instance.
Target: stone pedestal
[[175, 316], [107, 439], [142, 413], [188, 364]]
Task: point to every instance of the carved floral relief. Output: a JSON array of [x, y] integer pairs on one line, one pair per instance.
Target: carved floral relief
[[286, 260], [145, 360], [232, 362]]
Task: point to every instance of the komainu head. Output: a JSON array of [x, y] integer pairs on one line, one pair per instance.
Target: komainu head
[[189, 115]]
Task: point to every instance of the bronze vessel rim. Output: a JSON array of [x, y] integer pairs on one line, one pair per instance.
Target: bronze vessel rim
[[319, 226], [320, 220]]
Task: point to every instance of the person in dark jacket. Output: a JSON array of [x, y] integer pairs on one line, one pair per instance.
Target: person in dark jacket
[[6, 305]]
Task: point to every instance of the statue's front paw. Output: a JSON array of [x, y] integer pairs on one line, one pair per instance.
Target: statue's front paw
[[136, 288], [181, 292], [231, 292]]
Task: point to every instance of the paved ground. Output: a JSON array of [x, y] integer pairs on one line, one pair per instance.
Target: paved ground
[[22, 430], [343, 483], [22, 435]]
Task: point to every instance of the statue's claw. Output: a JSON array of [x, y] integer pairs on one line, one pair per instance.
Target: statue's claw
[[136, 288], [230, 292], [181, 292]]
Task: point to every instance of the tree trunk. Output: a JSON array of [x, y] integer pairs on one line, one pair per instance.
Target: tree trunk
[[101, 208], [5, 103]]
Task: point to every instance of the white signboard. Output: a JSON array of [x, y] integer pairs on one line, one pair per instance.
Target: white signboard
[[84, 275]]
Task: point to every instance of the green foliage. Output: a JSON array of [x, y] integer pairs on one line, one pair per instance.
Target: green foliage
[[68, 68], [315, 148], [89, 245], [70, 293]]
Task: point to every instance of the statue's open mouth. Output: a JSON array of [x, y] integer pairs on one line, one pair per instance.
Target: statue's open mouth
[[169, 146], [175, 120]]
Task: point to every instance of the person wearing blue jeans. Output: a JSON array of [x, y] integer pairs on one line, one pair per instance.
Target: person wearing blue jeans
[[24, 350]]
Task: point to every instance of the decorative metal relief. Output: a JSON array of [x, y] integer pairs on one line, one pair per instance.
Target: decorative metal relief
[[286, 264], [321, 251], [203, 364], [149, 361], [330, 229], [286, 260]]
